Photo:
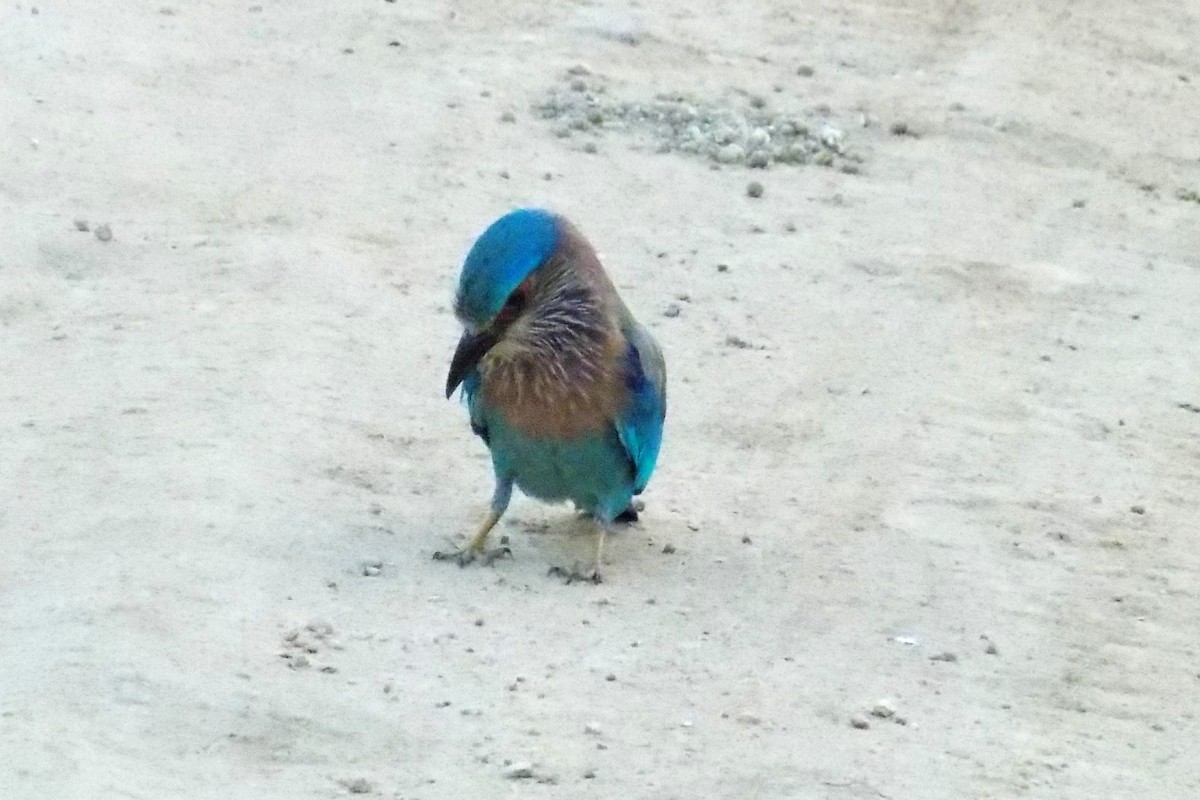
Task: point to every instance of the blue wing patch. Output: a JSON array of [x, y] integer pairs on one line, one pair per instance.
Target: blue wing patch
[[640, 426]]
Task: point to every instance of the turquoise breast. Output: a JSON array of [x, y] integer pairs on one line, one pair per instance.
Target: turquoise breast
[[592, 471]]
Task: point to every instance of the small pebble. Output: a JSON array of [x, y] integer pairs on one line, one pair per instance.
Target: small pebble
[[104, 233], [947, 656], [738, 342], [589, 774], [991, 649], [731, 153], [754, 189], [899, 128], [371, 569], [883, 709], [359, 786], [758, 160], [749, 719], [832, 138], [518, 770], [320, 628], [804, 71], [610, 677], [673, 310], [508, 117], [590, 147], [1138, 509], [592, 729], [82, 225], [860, 722], [668, 549]]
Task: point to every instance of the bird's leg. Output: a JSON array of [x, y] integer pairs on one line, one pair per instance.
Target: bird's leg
[[591, 575], [476, 548]]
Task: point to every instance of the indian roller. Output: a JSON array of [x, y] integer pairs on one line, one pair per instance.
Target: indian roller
[[567, 390]]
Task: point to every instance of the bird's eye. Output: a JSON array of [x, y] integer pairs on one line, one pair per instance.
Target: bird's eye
[[512, 308], [515, 303]]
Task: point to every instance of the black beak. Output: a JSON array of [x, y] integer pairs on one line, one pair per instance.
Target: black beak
[[471, 348]]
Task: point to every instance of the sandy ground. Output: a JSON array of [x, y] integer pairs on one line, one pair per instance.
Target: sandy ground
[[954, 466]]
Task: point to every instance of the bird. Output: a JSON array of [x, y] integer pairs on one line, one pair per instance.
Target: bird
[[565, 387]]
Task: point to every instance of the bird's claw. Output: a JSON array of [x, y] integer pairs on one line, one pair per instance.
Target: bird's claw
[[464, 556], [575, 574], [468, 555], [491, 555]]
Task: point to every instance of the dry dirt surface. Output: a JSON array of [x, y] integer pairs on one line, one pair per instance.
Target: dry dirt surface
[[925, 522]]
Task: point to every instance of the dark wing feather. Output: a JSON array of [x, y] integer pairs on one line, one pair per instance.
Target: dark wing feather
[[475, 406], [640, 425]]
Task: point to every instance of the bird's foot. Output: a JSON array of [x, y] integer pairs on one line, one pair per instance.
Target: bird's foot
[[575, 574], [467, 555]]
